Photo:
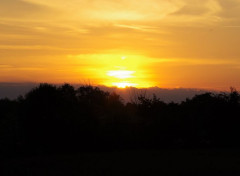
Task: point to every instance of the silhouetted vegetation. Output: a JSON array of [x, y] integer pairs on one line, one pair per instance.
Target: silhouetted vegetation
[[51, 119]]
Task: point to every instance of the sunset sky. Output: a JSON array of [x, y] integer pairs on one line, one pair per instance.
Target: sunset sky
[[141, 43]]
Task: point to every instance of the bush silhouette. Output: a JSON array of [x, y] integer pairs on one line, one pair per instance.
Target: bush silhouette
[[52, 119]]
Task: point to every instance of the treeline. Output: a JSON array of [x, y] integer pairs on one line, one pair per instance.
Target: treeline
[[51, 119]]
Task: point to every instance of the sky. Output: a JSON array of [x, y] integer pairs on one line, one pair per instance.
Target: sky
[[140, 43]]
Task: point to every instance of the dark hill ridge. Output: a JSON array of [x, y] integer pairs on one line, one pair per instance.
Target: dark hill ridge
[[13, 90]]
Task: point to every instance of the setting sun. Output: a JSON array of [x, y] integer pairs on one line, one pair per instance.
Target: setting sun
[[124, 84], [113, 70], [123, 57], [121, 74], [127, 71]]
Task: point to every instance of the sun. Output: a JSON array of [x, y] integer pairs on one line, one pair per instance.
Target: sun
[[123, 57], [122, 71], [124, 84], [121, 74]]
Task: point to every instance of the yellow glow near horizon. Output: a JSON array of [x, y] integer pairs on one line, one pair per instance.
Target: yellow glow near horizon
[[124, 84], [123, 57], [121, 74], [115, 69], [128, 73], [140, 43]]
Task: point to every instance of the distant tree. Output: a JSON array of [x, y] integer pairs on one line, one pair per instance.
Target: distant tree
[[50, 118], [91, 95]]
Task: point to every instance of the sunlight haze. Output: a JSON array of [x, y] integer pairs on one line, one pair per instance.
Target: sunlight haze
[[139, 43]]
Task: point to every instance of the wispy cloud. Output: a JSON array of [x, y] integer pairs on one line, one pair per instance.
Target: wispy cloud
[[199, 33], [3, 66]]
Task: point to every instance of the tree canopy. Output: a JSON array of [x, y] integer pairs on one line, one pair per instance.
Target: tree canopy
[[67, 119]]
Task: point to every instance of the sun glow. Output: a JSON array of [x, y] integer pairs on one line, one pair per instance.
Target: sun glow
[[123, 77], [123, 57], [115, 70], [121, 74], [124, 84]]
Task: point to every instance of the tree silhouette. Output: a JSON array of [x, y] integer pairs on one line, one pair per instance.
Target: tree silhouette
[[66, 119]]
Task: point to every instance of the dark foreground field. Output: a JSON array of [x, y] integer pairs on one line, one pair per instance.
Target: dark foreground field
[[154, 137], [126, 163]]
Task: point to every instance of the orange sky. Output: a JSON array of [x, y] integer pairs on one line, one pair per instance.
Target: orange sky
[[142, 43]]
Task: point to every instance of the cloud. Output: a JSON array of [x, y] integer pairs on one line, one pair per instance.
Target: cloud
[[111, 10], [143, 11], [4, 66], [191, 9], [19, 9], [230, 9], [123, 12]]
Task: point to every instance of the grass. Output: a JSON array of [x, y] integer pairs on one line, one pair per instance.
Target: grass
[[128, 163]]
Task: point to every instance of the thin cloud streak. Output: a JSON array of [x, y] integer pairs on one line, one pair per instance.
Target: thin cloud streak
[[164, 35]]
